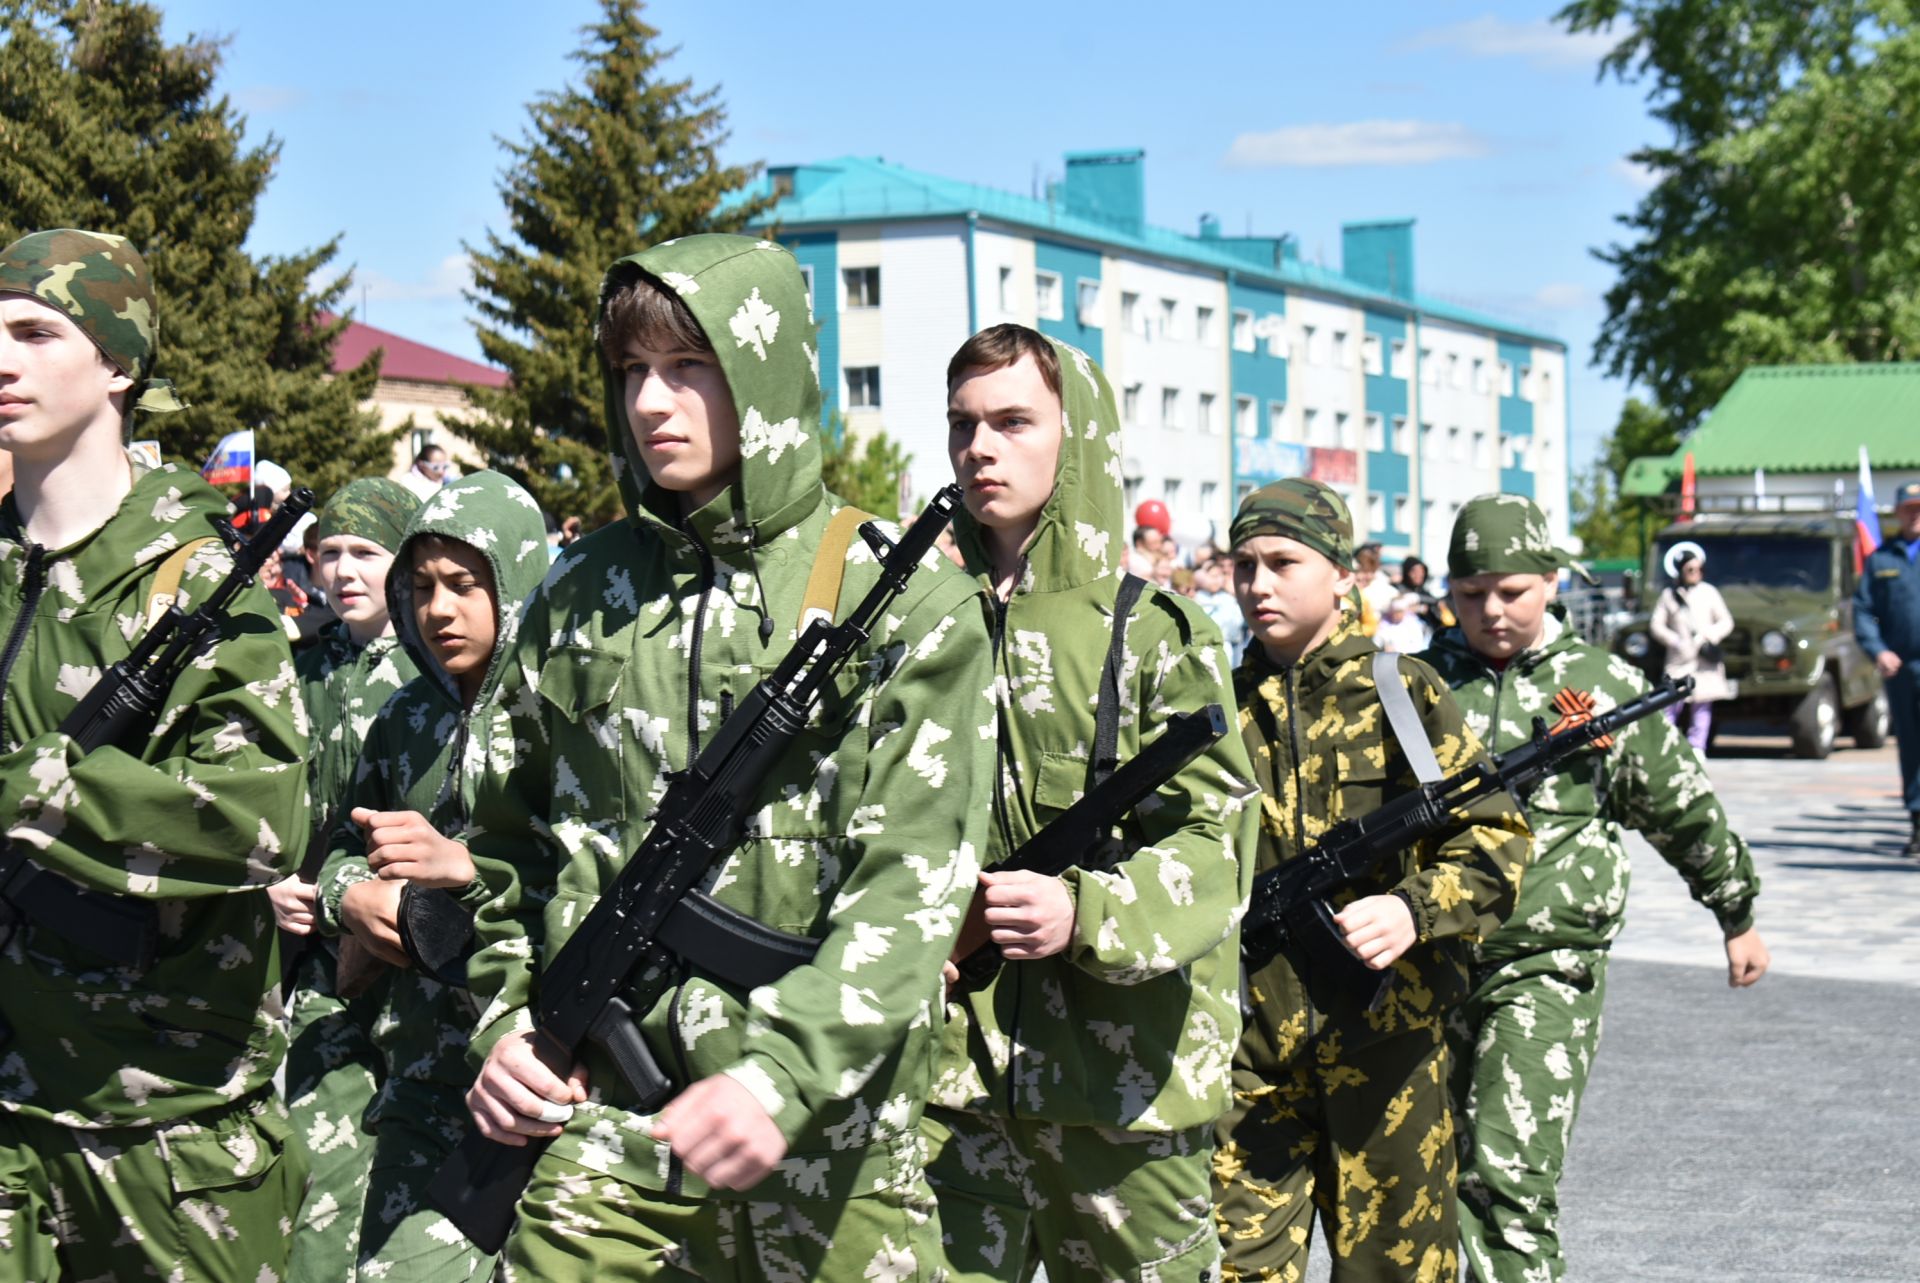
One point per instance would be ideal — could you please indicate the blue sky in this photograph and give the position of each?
(1481, 120)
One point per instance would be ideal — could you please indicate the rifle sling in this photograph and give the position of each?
(1106, 723)
(1407, 728)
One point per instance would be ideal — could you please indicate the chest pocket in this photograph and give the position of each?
(581, 685)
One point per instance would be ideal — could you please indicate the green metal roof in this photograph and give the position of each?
(1803, 418)
(852, 189)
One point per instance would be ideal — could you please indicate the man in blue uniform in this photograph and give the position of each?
(1886, 618)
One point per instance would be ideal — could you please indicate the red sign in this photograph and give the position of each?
(1333, 466)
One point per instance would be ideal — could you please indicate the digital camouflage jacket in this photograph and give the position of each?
(645, 635)
(343, 687)
(1575, 894)
(1322, 753)
(1134, 1024)
(411, 761)
(197, 819)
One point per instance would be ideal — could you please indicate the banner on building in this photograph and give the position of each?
(1262, 459)
(1334, 466)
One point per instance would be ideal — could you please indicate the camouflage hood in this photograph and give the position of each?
(1081, 535)
(494, 515)
(757, 317)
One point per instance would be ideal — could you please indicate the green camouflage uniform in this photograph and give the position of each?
(866, 837)
(1523, 1042)
(411, 761)
(1346, 1108)
(1072, 1122)
(333, 1067)
(139, 1136)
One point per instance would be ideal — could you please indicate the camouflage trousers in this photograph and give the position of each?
(575, 1223)
(1523, 1044)
(333, 1071)
(209, 1200)
(1088, 1203)
(1357, 1124)
(401, 1239)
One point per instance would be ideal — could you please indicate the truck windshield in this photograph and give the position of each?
(1762, 561)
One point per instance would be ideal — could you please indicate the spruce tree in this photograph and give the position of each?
(105, 126)
(624, 158)
(865, 468)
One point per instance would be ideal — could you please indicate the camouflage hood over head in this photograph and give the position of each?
(1081, 536)
(100, 283)
(757, 317)
(492, 514)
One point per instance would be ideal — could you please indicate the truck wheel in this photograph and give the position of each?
(1816, 723)
(1870, 723)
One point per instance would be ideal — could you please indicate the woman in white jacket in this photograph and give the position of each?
(1691, 620)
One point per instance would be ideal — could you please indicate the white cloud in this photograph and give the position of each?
(1359, 142)
(447, 278)
(1642, 178)
(1542, 42)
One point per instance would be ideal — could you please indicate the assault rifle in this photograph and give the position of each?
(1082, 835)
(1288, 910)
(120, 709)
(651, 918)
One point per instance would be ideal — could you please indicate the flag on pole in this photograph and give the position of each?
(1686, 487)
(1866, 519)
(231, 462)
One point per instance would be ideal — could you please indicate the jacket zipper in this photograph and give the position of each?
(1493, 726)
(693, 649)
(1299, 806)
(34, 582)
(999, 805)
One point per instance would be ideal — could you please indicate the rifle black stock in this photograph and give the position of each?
(1288, 911)
(698, 821)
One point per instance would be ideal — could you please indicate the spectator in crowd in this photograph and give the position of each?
(1429, 605)
(428, 473)
(1148, 545)
(1162, 574)
(1691, 620)
(1213, 593)
(1371, 581)
(1401, 630)
(1182, 581)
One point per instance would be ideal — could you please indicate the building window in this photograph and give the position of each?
(1401, 443)
(1241, 489)
(1376, 511)
(1130, 314)
(1343, 349)
(1310, 349)
(1456, 445)
(1170, 491)
(783, 184)
(1399, 367)
(1526, 383)
(1456, 371)
(1342, 430)
(1274, 326)
(1246, 420)
(1542, 386)
(1006, 289)
(1132, 486)
(1370, 354)
(863, 286)
(1130, 403)
(1376, 432)
(1311, 419)
(1506, 378)
(1427, 441)
(1242, 330)
(1401, 507)
(1169, 407)
(1046, 295)
(1088, 304)
(1208, 489)
(1426, 516)
(1203, 326)
(806, 274)
(1207, 423)
(1480, 384)
(1429, 372)
(1167, 318)
(863, 387)
(1479, 449)
(1277, 420)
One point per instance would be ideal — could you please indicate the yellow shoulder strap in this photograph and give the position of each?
(830, 567)
(166, 581)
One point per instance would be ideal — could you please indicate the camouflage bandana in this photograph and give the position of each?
(1506, 534)
(100, 283)
(372, 508)
(1297, 508)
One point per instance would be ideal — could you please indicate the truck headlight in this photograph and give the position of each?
(1773, 644)
(1636, 646)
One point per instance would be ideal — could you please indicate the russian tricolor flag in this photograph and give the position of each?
(1866, 521)
(231, 462)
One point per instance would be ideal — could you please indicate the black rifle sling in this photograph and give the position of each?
(1106, 723)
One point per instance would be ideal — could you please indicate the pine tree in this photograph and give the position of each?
(864, 468)
(623, 159)
(105, 126)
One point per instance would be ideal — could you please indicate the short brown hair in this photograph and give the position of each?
(1004, 345)
(641, 310)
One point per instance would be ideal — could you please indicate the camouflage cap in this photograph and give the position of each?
(99, 282)
(1506, 534)
(1297, 508)
(373, 508)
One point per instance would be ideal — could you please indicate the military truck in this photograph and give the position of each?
(1788, 579)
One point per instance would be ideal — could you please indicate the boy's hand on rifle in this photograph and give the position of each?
(721, 1133)
(1029, 915)
(371, 910)
(522, 1091)
(292, 902)
(402, 845)
(1378, 929)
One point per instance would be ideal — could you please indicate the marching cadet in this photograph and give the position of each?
(139, 1133)
(1523, 1042)
(470, 556)
(333, 1068)
(1072, 1125)
(792, 1149)
(1346, 1106)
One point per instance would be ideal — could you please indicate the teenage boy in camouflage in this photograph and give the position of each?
(792, 1149)
(139, 1133)
(1524, 1040)
(1346, 1107)
(1073, 1121)
(333, 1067)
(470, 556)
